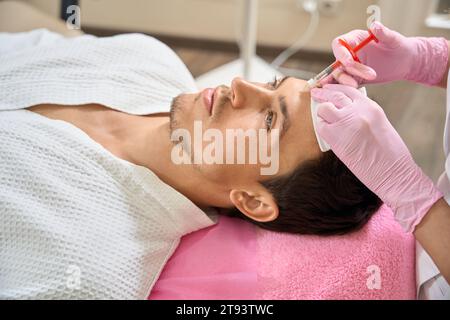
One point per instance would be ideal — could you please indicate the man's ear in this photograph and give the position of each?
(258, 205)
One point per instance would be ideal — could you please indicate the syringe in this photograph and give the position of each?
(312, 83)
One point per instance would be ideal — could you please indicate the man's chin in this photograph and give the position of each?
(177, 111)
(183, 109)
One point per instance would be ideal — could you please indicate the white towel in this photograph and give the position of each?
(132, 73)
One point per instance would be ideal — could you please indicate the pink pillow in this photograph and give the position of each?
(216, 263)
(236, 260)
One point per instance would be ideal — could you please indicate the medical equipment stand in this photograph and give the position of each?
(65, 4)
(249, 66)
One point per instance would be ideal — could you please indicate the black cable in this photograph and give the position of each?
(64, 5)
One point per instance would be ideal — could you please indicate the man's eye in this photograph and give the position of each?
(274, 83)
(269, 120)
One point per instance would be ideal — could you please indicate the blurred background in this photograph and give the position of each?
(208, 34)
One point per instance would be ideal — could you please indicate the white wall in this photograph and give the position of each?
(48, 6)
(408, 17)
(281, 22)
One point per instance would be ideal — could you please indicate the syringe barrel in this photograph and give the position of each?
(327, 71)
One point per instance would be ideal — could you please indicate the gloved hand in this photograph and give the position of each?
(394, 57)
(362, 137)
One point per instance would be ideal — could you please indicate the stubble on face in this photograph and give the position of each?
(175, 123)
(224, 98)
(179, 106)
(175, 110)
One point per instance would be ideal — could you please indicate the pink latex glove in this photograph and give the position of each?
(362, 137)
(394, 57)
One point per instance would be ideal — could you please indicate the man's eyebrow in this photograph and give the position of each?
(286, 123)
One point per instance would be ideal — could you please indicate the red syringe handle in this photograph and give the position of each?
(328, 70)
(336, 64)
(364, 43)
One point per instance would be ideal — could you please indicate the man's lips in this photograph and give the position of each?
(208, 99)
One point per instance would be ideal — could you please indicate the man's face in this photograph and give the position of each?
(284, 105)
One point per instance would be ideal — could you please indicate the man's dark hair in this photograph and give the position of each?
(321, 197)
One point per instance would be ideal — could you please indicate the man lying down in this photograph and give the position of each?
(93, 203)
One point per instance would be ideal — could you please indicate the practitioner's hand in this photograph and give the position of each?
(394, 57)
(360, 134)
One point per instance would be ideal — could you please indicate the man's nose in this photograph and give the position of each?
(246, 94)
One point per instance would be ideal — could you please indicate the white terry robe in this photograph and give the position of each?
(76, 221)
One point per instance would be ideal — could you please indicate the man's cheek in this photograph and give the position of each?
(217, 173)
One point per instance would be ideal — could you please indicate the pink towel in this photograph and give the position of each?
(235, 260)
(374, 263)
